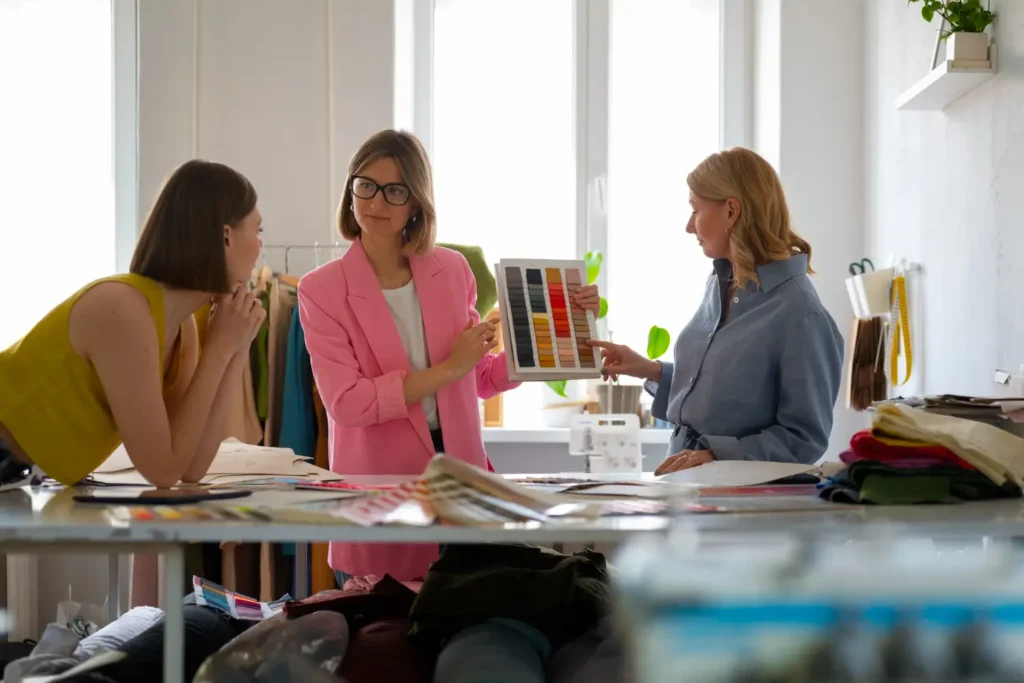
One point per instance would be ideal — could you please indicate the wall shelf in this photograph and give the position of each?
(946, 83)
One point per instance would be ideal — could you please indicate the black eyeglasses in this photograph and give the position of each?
(396, 194)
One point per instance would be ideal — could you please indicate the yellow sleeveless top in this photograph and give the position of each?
(52, 401)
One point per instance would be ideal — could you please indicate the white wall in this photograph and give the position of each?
(283, 91)
(946, 189)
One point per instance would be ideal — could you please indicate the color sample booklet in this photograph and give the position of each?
(545, 334)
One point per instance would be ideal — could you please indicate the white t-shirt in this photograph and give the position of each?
(405, 309)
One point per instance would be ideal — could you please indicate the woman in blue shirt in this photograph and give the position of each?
(757, 369)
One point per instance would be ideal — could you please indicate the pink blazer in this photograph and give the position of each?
(359, 363)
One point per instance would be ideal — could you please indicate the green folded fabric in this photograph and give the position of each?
(486, 287)
(883, 485)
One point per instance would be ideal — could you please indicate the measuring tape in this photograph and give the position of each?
(899, 331)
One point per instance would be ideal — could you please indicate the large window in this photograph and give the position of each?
(558, 127)
(663, 120)
(504, 161)
(56, 180)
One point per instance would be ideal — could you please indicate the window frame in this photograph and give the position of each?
(125, 123)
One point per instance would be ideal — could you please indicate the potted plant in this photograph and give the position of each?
(614, 397)
(625, 398)
(964, 27)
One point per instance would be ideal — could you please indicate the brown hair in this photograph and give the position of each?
(762, 233)
(182, 242)
(412, 161)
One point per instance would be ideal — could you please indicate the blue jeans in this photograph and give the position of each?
(495, 651)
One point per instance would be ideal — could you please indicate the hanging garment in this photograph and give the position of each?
(282, 302)
(243, 423)
(258, 361)
(866, 380)
(322, 451)
(322, 575)
(483, 273)
(298, 414)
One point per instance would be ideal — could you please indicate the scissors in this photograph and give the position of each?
(861, 267)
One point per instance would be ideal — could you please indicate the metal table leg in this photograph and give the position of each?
(174, 618)
(114, 587)
(301, 570)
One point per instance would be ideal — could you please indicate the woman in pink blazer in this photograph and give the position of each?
(399, 354)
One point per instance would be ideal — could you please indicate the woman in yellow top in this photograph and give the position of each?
(119, 360)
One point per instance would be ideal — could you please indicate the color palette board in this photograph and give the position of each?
(545, 335)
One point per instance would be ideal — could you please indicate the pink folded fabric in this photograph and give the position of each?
(909, 462)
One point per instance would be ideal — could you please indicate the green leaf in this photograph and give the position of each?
(593, 259)
(558, 386)
(603, 310)
(658, 340)
(928, 13)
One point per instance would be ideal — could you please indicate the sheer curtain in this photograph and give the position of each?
(56, 171)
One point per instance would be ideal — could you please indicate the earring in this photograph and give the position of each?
(415, 217)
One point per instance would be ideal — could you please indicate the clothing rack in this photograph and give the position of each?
(336, 247)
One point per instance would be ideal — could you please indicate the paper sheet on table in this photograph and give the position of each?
(735, 473)
(650, 490)
(233, 458)
(235, 463)
(299, 470)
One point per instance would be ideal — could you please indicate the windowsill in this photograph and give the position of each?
(553, 435)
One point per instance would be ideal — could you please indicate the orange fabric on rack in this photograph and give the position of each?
(323, 575)
(242, 421)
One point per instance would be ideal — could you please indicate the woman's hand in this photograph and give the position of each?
(684, 461)
(470, 347)
(587, 298)
(622, 360)
(235, 320)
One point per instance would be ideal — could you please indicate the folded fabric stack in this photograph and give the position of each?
(913, 456)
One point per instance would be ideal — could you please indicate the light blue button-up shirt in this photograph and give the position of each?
(760, 384)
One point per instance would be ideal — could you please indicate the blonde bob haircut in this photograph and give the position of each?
(413, 164)
(762, 233)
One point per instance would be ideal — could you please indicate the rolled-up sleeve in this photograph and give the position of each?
(809, 376)
(660, 390)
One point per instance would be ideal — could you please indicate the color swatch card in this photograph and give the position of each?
(545, 335)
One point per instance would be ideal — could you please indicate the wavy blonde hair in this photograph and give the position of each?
(411, 158)
(762, 233)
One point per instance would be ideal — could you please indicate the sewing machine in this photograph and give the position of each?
(610, 444)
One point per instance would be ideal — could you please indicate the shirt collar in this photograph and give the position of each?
(775, 273)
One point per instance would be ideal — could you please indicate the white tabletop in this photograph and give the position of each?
(43, 516)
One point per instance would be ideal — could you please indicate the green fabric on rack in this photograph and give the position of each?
(486, 287)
